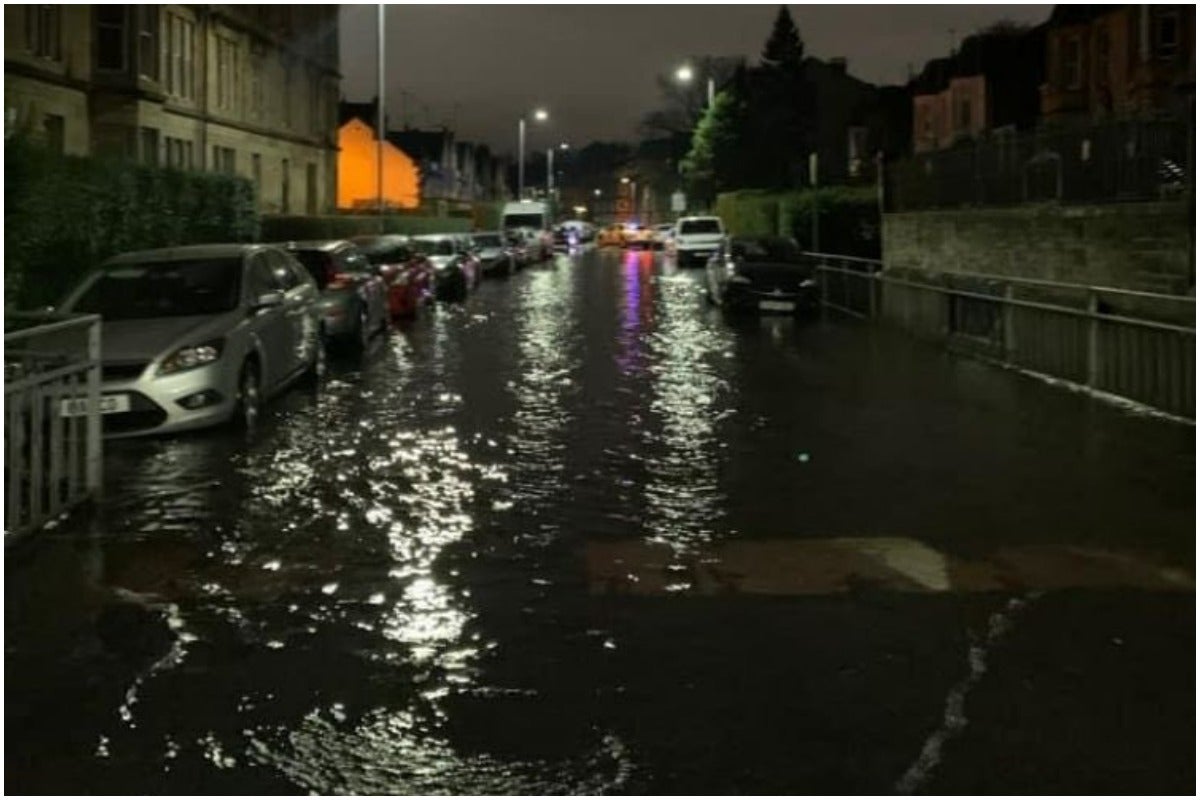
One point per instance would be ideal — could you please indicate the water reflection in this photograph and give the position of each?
(544, 377)
(684, 502)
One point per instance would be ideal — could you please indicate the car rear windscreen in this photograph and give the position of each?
(523, 221)
(700, 226)
(318, 263)
(164, 289)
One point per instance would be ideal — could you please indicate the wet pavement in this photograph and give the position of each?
(583, 534)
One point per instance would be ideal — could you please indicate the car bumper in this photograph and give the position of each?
(749, 298)
(155, 407)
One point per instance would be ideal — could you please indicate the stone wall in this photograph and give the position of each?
(1141, 246)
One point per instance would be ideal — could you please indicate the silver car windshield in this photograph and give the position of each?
(164, 289)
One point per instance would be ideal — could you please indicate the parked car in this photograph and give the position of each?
(196, 336)
(455, 272)
(697, 238)
(662, 235)
(611, 236)
(353, 296)
(518, 248)
(406, 272)
(474, 264)
(533, 218)
(639, 237)
(494, 255)
(763, 273)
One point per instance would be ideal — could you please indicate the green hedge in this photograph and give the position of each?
(848, 217)
(284, 228)
(64, 215)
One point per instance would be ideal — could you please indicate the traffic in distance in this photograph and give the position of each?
(205, 335)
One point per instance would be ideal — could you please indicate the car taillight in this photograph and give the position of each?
(335, 279)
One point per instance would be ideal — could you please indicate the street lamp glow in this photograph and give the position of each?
(564, 146)
(684, 74)
(541, 115)
(596, 192)
(624, 179)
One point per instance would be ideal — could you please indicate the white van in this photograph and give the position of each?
(697, 238)
(530, 216)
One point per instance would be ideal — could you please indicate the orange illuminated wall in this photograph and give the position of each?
(357, 178)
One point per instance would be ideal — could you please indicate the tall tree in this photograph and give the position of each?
(784, 49)
(718, 157)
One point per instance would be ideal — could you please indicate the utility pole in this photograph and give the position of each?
(379, 133)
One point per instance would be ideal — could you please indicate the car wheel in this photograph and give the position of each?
(249, 399)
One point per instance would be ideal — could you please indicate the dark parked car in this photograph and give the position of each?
(763, 273)
(353, 299)
(404, 269)
(455, 269)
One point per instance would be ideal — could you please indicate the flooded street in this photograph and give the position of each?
(584, 534)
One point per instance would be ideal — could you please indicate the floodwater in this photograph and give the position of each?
(584, 534)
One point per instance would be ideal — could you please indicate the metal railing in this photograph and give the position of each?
(52, 437)
(1135, 345)
(1122, 161)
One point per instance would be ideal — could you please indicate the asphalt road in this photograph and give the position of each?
(583, 534)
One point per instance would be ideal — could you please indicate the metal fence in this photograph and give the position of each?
(52, 438)
(1115, 162)
(1135, 345)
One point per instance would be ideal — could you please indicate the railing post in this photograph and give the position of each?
(94, 442)
(1010, 330)
(1093, 352)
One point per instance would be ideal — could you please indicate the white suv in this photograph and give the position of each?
(697, 238)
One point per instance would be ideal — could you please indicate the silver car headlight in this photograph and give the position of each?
(191, 357)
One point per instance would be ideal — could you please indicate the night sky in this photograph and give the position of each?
(477, 68)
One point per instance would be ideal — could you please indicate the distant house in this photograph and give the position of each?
(992, 81)
(1118, 61)
(854, 121)
(358, 184)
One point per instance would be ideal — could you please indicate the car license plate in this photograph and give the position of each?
(776, 305)
(109, 404)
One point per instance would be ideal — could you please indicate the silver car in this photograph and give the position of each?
(199, 335)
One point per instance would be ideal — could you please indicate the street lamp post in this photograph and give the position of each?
(379, 133)
(539, 115)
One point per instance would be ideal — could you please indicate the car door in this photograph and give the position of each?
(271, 324)
(370, 287)
(307, 316)
(298, 297)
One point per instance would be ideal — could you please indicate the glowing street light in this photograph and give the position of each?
(540, 115)
(684, 75)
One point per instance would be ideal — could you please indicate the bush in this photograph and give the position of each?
(848, 217)
(295, 228)
(64, 215)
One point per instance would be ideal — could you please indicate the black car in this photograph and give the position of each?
(761, 273)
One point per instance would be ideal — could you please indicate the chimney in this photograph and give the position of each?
(838, 65)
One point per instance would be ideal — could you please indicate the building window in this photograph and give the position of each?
(310, 187)
(286, 188)
(1166, 35)
(224, 159)
(43, 31)
(179, 69)
(148, 41)
(1072, 63)
(110, 38)
(257, 65)
(227, 74)
(56, 139)
(150, 146)
(1102, 57)
(287, 93)
(256, 171)
(179, 153)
